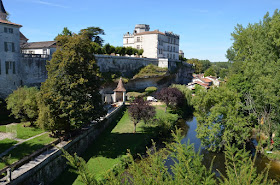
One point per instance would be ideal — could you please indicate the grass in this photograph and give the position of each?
(6, 144)
(109, 149)
(151, 71)
(21, 131)
(27, 148)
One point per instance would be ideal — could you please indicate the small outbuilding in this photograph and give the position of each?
(120, 92)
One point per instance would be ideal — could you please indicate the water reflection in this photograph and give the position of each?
(190, 135)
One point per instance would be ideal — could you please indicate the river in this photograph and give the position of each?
(190, 135)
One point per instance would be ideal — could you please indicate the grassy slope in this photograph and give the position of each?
(27, 148)
(6, 144)
(108, 149)
(22, 132)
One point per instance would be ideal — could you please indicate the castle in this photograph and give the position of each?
(155, 44)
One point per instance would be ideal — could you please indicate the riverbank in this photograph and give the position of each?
(111, 147)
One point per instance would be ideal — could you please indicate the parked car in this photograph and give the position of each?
(151, 98)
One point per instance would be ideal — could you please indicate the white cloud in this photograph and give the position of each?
(49, 4)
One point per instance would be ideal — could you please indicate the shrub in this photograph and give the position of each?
(23, 104)
(150, 90)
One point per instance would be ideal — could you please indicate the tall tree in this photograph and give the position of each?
(141, 110)
(93, 33)
(70, 96)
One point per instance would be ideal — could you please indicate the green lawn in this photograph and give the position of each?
(6, 144)
(27, 148)
(21, 131)
(112, 145)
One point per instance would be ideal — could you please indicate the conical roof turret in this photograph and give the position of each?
(2, 9)
(120, 87)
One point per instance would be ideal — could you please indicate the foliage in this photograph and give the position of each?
(187, 167)
(93, 34)
(151, 71)
(187, 104)
(240, 168)
(141, 110)
(120, 50)
(70, 96)
(108, 49)
(220, 118)
(129, 51)
(140, 52)
(171, 97)
(210, 72)
(97, 49)
(23, 104)
(198, 66)
(150, 90)
(255, 70)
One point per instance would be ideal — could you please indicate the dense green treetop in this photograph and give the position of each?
(70, 96)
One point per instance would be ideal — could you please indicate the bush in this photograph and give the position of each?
(150, 90)
(23, 104)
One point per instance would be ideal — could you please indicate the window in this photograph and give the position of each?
(138, 39)
(167, 55)
(31, 52)
(173, 49)
(9, 46)
(167, 48)
(127, 41)
(138, 46)
(10, 65)
(8, 30)
(44, 51)
(168, 40)
(173, 56)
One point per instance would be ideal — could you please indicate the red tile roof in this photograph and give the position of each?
(206, 80)
(7, 22)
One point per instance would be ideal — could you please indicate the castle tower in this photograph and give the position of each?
(3, 13)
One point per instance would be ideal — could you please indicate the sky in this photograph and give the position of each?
(204, 26)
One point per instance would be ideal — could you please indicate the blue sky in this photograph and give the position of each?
(204, 26)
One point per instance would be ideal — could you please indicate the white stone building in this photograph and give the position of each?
(9, 53)
(42, 49)
(155, 44)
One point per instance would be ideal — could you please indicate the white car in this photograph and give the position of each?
(150, 98)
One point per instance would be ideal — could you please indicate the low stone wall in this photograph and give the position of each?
(50, 167)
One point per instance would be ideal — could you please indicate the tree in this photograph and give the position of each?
(206, 64)
(171, 97)
(96, 48)
(70, 96)
(140, 52)
(66, 31)
(108, 49)
(134, 51)
(197, 65)
(221, 118)
(141, 110)
(121, 50)
(23, 104)
(210, 72)
(93, 34)
(129, 51)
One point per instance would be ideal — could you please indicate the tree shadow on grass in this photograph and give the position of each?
(110, 145)
(6, 144)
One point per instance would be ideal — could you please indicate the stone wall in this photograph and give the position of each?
(50, 167)
(125, 65)
(33, 71)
